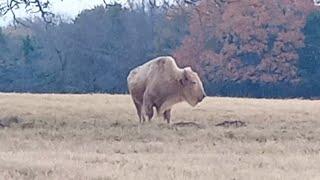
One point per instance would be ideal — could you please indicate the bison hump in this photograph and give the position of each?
(163, 67)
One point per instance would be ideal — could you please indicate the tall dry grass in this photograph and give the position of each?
(99, 137)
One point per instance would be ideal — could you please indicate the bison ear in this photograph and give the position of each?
(184, 80)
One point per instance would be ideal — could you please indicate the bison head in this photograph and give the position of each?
(192, 88)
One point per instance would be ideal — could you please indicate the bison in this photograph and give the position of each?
(160, 83)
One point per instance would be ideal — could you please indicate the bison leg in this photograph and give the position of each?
(138, 107)
(149, 112)
(147, 109)
(167, 115)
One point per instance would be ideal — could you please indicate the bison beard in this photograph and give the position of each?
(160, 83)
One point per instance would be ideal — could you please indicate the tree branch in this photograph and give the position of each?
(30, 6)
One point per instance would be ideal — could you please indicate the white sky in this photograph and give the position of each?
(69, 8)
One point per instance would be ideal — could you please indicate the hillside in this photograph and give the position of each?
(268, 49)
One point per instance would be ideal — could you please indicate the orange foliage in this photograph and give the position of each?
(240, 40)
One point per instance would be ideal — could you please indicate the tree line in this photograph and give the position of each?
(250, 48)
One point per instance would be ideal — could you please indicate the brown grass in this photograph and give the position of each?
(99, 137)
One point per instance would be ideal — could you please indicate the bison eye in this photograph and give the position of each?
(193, 82)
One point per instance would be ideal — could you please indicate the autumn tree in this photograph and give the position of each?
(246, 40)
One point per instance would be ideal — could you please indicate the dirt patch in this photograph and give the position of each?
(10, 121)
(236, 124)
(188, 124)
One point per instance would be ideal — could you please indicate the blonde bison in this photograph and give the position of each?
(161, 83)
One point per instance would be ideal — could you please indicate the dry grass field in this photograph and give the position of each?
(99, 137)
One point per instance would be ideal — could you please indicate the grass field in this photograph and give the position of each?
(99, 137)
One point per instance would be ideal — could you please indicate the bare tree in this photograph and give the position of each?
(41, 7)
(30, 6)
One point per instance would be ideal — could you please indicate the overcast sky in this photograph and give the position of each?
(69, 8)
